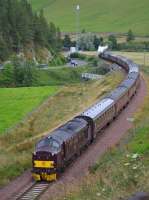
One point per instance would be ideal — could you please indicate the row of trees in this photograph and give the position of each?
(20, 26)
(89, 41)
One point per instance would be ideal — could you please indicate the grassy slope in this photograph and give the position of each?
(17, 102)
(58, 109)
(98, 15)
(62, 75)
(117, 175)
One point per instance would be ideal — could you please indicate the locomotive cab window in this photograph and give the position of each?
(49, 142)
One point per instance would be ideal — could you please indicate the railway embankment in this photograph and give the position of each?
(123, 170)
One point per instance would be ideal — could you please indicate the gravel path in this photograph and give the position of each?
(79, 168)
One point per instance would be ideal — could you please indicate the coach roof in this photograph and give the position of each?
(117, 93)
(128, 83)
(98, 108)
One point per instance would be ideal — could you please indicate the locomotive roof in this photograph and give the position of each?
(69, 129)
(117, 93)
(98, 108)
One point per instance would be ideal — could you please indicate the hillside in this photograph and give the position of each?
(97, 15)
(17, 102)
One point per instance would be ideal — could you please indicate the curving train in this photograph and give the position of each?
(55, 151)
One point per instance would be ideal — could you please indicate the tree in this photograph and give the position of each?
(4, 52)
(8, 76)
(86, 42)
(67, 41)
(25, 72)
(96, 42)
(112, 41)
(130, 36)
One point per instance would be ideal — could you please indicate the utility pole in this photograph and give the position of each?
(77, 26)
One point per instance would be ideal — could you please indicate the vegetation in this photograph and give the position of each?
(123, 170)
(140, 58)
(112, 42)
(98, 15)
(86, 41)
(20, 27)
(67, 43)
(58, 60)
(130, 36)
(133, 46)
(16, 103)
(19, 142)
(89, 42)
(62, 75)
(18, 73)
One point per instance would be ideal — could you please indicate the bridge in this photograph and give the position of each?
(89, 76)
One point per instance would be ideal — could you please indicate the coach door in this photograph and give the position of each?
(89, 133)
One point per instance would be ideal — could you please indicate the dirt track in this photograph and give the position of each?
(79, 168)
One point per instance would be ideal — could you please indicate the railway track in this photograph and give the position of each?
(33, 192)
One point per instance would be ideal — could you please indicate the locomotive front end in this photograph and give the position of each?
(44, 160)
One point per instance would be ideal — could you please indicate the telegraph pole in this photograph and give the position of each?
(77, 26)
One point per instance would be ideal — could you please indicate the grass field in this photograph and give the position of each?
(17, 102)
(140, 58)
(97, 15)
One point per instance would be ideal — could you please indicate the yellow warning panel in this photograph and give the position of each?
(43, 164)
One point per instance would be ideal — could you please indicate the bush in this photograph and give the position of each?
(58, 60)
(77, 55)
(19, 73)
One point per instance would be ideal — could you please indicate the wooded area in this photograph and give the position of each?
(20, 26)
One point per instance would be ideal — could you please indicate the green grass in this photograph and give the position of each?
(61, 75)
(97, 15)
(15, 103)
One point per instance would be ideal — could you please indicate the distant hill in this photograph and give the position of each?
(98, 15)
